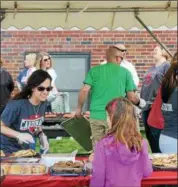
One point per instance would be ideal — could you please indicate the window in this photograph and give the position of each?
(71, 69)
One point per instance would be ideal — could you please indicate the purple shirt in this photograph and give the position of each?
(114, 165)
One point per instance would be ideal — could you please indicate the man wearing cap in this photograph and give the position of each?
(6, 87)
(127, 64)
(105, 83)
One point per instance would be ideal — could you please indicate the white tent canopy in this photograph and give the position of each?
(84, 14)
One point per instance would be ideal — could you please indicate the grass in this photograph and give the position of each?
(67, 145)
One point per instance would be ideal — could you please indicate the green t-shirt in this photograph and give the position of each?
(107, 82)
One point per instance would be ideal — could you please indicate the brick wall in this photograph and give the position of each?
(139, 44)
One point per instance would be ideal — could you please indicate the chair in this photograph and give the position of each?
(61, 103)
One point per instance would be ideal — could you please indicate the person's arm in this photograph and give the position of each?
(88, 82)
(5, 130)
(22, 137)
(83, 94)
(146, 162)
(99, 166)
(9, 117)
(131, 95)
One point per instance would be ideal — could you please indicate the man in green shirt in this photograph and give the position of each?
(105, 83)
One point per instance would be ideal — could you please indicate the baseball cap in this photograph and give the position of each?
(120, 47)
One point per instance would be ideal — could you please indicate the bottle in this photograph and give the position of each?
(43, 140)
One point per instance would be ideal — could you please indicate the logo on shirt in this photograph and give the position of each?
(31, 124)
(167, 107)
(148, 79)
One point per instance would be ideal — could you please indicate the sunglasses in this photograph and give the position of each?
(42, 89)
(123, 50)
(45, 60)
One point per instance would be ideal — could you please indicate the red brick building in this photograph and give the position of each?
(140, 44)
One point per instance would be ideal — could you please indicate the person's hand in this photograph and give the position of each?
(142, 103)
(78, 113)
(91, 157)
(25, 138)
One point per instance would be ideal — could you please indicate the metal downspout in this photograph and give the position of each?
(151, 33)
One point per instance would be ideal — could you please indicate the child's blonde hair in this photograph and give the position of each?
(123, 119)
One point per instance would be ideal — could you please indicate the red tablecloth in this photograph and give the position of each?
(53, 181)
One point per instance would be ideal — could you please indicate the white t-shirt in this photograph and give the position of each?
(54, 91)
(53, 75)
(132, 70)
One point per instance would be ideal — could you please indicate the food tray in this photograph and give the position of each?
(158, 155)
(68, 170)
(164, 164)
(68, 174)
(20, 159)
(38, 155)
(8, 166)
(164, 168)
(50, 159)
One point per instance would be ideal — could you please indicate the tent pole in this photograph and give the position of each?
(151, 33)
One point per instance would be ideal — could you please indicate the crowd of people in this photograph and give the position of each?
(119, 148)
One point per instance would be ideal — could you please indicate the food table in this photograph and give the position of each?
(157, 178)
(47, 180)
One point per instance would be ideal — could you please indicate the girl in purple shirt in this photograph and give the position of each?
(121, 158)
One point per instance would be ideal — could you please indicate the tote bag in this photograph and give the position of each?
(155, 118)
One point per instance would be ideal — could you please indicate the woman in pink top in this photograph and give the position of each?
(121, 158)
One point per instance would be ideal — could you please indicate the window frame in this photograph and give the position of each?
(86, 55)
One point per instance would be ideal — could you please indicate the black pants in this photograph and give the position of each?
(152, 133)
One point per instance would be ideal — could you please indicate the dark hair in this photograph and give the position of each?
(36, 78)
(170, 80)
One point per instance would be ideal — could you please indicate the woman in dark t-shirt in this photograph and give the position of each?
(159, 69)
(22, 118)
(169, 91)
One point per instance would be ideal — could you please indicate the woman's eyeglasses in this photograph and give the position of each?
(45, 60)
(42, 89)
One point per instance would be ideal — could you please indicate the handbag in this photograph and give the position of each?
(155, 118)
